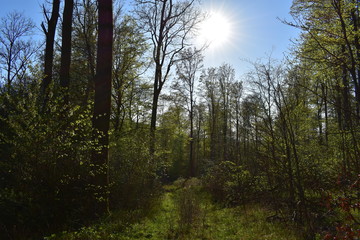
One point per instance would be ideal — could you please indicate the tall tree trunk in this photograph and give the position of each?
(158, 78)
(288, 165)
(319, 103)
(324, 90)
(49, 48)
(66, 48)
(355, 18)
(346, 107)
(102, 102)
(237, 134)
(191, 154)
(198, 140)
(213, 132)
(153, 120)
(225, 127)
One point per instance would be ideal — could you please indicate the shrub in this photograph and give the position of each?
(134, 183)
(44, 164)
(232, 184)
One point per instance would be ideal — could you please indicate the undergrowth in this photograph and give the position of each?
(186, 212)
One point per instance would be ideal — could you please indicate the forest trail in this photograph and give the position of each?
(186, 212)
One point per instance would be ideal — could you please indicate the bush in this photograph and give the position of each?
(188, 203)
(134, 183)
(232, 184)
(44, 164)
(347, 206)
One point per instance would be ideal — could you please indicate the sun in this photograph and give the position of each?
(216, 30)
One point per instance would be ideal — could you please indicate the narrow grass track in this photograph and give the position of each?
(186, 212)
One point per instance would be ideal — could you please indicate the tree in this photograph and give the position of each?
(330, 41)
(236, 90)
(170, 25)
(15, 53)
(218, 84)
(187, 68)
(226, 75)
(102, 102)
(129, 63)
(211, 95)
(84, 49)
(49, 48)
(66, 48)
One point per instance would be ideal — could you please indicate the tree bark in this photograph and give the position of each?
(102, 102)
(158, 78)
(191, 154)
(49, 48)
(66, 48)
(153, 121)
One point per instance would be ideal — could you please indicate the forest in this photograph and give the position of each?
(112, 127)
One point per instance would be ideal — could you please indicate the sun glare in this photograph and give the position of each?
(215, 30)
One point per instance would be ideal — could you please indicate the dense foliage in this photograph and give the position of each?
(285, 136)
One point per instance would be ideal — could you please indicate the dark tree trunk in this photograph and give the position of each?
(346, 100)
(324, 91)
(153, 120)
(355, 19)
(191, 154)
(49, 48)
(213, 136)
(237, 134)
(288, 165)
(158, 80)
(198, 140)
(66, 48)
(225, 127)
(102, 102)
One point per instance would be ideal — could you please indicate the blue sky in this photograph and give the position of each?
(30, 8)
(256, 30)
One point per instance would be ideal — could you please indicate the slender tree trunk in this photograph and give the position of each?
(225, 127)
(289, 166)
(213, 135)
(299, 178)
(355, 18)
(8, 68)
(158, 81)
(324, 90)
(153, 120)
(346, 101)
(237, 134)
(66, 48)
(198, 140)
(49, 48)
(102, 103)
(191, 154)
(319, 103)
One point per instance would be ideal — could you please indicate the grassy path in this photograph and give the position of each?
(187, 213)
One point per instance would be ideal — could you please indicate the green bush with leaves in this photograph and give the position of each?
(133, 179)
(44, 163)
(233, 184)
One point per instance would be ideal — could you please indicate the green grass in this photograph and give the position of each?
(187, 213)
(247, 223)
